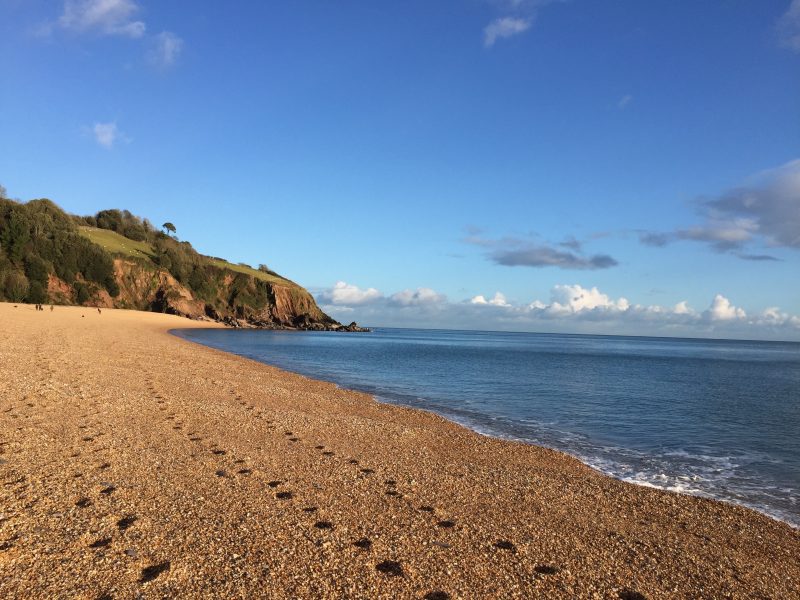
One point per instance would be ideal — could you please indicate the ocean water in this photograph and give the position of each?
(708, 417)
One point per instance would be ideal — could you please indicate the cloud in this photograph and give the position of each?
(545, 256)
(516, 252)
(344, 294)
(106, 134)
(722, 310)
(571, 308)
(106, 17)
(624, 101)
(116, 18)
(165, 49)
(574, 299)
(789, 27)
(758, 257)
(418, 297)
(499, 299)
(504, 27)
(767, 209)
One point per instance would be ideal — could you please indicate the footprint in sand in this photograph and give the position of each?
(218, 452)
(323, 525)
(505, 545)
(428, 509)
(244, 471)
(627, 594)
(83, 503)
(153, 571)
(284, 495)
(274, 484)
(125, 522)
(437, 595)
(106, 491)
(391, 568)
(363, 543)
(546, 569)
(446, 524)
(101, 543)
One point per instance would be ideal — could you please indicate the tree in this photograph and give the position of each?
(16, 287)
(36, 293)
(169, 227)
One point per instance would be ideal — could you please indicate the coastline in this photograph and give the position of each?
(471, 421)
(508, 519)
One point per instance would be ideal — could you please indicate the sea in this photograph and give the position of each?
(713, 418)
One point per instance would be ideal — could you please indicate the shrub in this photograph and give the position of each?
(36, 293)
(16, 287)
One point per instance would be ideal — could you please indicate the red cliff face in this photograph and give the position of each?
(146, 289)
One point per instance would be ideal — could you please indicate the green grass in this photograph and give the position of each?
(115, 243)
(224, 264)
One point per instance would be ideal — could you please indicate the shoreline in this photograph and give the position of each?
(175, 448)
(476, 428)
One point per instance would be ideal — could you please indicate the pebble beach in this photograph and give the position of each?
(135, 464)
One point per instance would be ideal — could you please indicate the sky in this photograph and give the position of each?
(581, 166)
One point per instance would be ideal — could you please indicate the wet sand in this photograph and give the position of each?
(137, 464)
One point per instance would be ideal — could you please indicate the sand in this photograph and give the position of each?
(136, 464)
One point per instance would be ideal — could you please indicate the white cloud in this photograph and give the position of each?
(106, 17)
(106, 134)
(624, 101)
(345, 294)
(165, 50)
(722, 310)
(789, 27)
(571, 309)
(574, 298)
(498, 300)
(504, 27)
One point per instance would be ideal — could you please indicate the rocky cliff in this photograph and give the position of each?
(117, 260)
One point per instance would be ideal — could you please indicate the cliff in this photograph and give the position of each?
(117, 260)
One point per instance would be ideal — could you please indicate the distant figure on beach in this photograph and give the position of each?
(99, 312)
(51, 308)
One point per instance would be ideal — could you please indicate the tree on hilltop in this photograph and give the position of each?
(169, 228)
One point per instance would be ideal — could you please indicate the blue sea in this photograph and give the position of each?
(714, 418)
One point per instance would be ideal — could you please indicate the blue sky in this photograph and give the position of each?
(407, 160)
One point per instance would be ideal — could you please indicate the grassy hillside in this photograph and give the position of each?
(117, 244)
(270, 276)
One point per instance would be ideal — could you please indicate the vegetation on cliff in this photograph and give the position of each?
(117, 259)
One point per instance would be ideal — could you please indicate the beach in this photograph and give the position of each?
(136, 463)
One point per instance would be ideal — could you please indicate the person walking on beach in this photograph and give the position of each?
(51, 308)
(99, 312)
